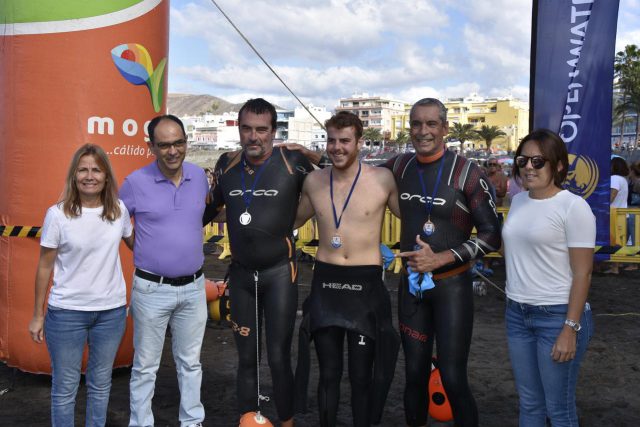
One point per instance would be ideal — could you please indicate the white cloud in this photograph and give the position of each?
(628, 18)
(497, 39)
(416, 93)
(627, 38)
(461, 90)
(329, 49)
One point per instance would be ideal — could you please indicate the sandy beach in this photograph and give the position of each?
(608, 387)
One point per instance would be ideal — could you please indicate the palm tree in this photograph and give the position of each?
(402, 138)
(630, 104)
(488, 134)
(462, 132)
(627, 74)
(372, 134)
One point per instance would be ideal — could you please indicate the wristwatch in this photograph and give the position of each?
(573, 325)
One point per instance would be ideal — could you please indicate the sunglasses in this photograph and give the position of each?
(492, 164)
(536, 161)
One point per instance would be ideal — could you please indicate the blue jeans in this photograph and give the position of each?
(66, 333)
(546, 388)
(153, 307)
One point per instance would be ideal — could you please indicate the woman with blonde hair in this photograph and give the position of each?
(87, 302)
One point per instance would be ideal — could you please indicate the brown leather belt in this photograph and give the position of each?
(449, 273)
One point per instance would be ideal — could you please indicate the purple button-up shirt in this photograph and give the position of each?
(168, 219)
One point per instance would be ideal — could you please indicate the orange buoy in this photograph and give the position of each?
(439, 407)
(214, 289)
(251, 419)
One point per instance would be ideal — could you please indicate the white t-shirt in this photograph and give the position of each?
(621, 184)
(87, 275)
(537, 236)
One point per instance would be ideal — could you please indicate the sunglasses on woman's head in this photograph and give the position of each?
(536, 161)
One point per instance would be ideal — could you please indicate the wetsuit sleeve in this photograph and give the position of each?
(303, 166)
(325, 161)
(215, 198)
(306, 165)
(477, 191)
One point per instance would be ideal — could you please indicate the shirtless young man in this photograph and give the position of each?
(348, 296)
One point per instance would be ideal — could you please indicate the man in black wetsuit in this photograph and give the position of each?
(442, 197)
(260, 187)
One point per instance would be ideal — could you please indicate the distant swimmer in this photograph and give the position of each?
(348, 297)
(442, 197)
(260, 187)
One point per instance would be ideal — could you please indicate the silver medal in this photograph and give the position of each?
(245, 218)
(429, 228)
(336, 241)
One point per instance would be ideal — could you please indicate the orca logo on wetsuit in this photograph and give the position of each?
(438, 201)
(341, 286)
(485, 188)
(257, 193)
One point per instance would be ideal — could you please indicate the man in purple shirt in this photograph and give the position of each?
(167, 200)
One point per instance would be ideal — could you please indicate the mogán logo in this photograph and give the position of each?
(134, 63)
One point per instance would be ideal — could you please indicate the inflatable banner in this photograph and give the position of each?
(71, 72)
(573, 50)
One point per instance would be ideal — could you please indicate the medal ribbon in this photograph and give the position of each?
(337, 219)
(428, 203)
(248, 197)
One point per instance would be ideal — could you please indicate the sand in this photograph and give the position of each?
(608, 387)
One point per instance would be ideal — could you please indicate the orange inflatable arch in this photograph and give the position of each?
(71, 72)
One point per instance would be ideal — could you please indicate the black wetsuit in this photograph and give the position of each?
(351, 301)
(463, 200)
(262, 251)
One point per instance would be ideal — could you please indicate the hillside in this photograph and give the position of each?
(181, 104)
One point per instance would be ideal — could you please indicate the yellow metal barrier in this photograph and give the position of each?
(310, 246)
(306, 234)
(216, 232)
(390, 236)
(620, 219)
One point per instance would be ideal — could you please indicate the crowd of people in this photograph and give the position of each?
(263, 192)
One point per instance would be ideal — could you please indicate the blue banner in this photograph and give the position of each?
(572, 56)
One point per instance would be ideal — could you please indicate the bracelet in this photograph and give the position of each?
(573, 324)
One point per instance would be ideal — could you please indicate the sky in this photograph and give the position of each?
(325, 50)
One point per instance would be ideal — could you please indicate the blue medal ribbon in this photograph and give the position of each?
(428, 203)
(248, 197)
(337, 219)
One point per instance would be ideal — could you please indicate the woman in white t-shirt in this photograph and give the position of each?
(549, 236)
(618, 197)
(619, 183)
(87, 302)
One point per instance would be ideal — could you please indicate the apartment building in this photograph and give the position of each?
(374, 111)
(300, 127)
(508, 114)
